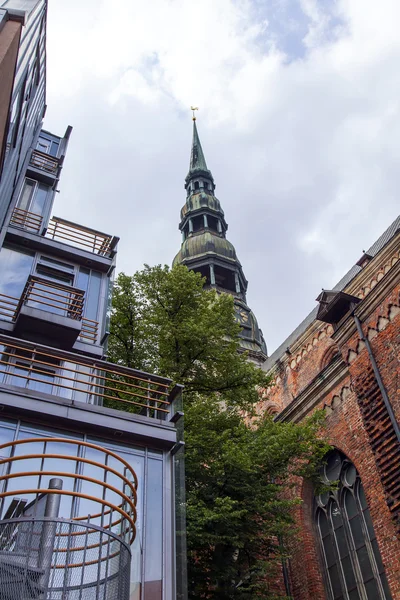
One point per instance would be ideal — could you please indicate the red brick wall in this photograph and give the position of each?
(356, 424)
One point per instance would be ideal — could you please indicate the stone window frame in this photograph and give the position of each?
(346, 536)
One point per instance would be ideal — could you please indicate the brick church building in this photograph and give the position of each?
(344, 358)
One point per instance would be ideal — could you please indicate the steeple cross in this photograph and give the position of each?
(193, 108)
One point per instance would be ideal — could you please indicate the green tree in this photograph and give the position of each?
(237, 464)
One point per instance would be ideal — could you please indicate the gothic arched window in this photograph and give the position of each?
(352, 561)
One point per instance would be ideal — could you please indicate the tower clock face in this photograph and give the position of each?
(244, 317)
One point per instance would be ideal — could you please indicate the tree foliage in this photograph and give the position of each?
(237, 464)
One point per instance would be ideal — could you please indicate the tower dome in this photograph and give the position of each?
(205, 248)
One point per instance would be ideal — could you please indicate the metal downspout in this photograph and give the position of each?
(378, 377)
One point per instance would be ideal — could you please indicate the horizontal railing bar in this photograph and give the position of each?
(75, 443)
(87, 243)
(75, 495)
(25, 219)
(78, 314)
(64, 297)
(81, 227)
(28, 216)
(56, 285)
(100, 364)
(61, 474)
(27, 212)
(103, 377)
(98, 238)
(69, 387)
(80, 242)
(30, 369)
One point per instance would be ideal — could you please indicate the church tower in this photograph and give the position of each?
(206, 250)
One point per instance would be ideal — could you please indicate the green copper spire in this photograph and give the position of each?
(197, 159)
(198, 166)
(206, 250)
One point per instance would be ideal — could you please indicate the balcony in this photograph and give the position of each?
(44, 167)
(81, 237)
(68, 376)
(53, 311)
(67, 232)
(26, 220)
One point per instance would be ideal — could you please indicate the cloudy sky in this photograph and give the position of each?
(299, 121)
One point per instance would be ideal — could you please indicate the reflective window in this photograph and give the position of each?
(15, 266)
(352, 560)
(33, 197)
(47, 146)
(81, 468)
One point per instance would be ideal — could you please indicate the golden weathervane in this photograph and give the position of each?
(193, 108)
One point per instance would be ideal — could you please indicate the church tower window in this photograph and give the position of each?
(352, 561)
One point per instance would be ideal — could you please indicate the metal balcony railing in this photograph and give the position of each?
(60, 299)
(47, 548)
(54, 298)
(82, 379)
(81, 237)
(67, 232)
(26, 220)
(44, 162)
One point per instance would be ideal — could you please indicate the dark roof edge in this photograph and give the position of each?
(376, 247)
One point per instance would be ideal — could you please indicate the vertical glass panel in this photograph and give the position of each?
(335, 582)
(15, 266)
(24, 200)
(154, 526)
(92, 300)
(333, 467)
(83, 279)
(372, 591)
(39, 199)
(54, 148)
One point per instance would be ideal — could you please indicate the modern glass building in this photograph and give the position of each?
(91, 453)
(23, 25)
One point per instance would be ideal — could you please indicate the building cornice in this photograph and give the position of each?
(368, 305)
(320, 386)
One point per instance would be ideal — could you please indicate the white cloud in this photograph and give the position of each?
(304, 149)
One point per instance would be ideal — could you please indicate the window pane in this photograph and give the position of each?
(349, 573)
(39, 199)
(335, 582)
(365, 563)
(54, 148)
(92, 300)
(356, 530)
(329, 550)
(372, 590)
(15, 266)
(341, 542)
(333, 467)
(323, 523)
(350, 504)
(154, 539)
(24, 200)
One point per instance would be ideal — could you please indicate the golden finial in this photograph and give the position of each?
(193, 108)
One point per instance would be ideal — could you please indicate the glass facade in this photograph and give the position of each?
(63, 458)
(352, 561)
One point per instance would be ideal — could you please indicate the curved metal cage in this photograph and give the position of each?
(68, 539)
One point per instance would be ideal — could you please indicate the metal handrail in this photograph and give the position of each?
(63, 298)
(45, 162)
(26, 220)
(84, 379)
(115, 521)
(78, 235)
